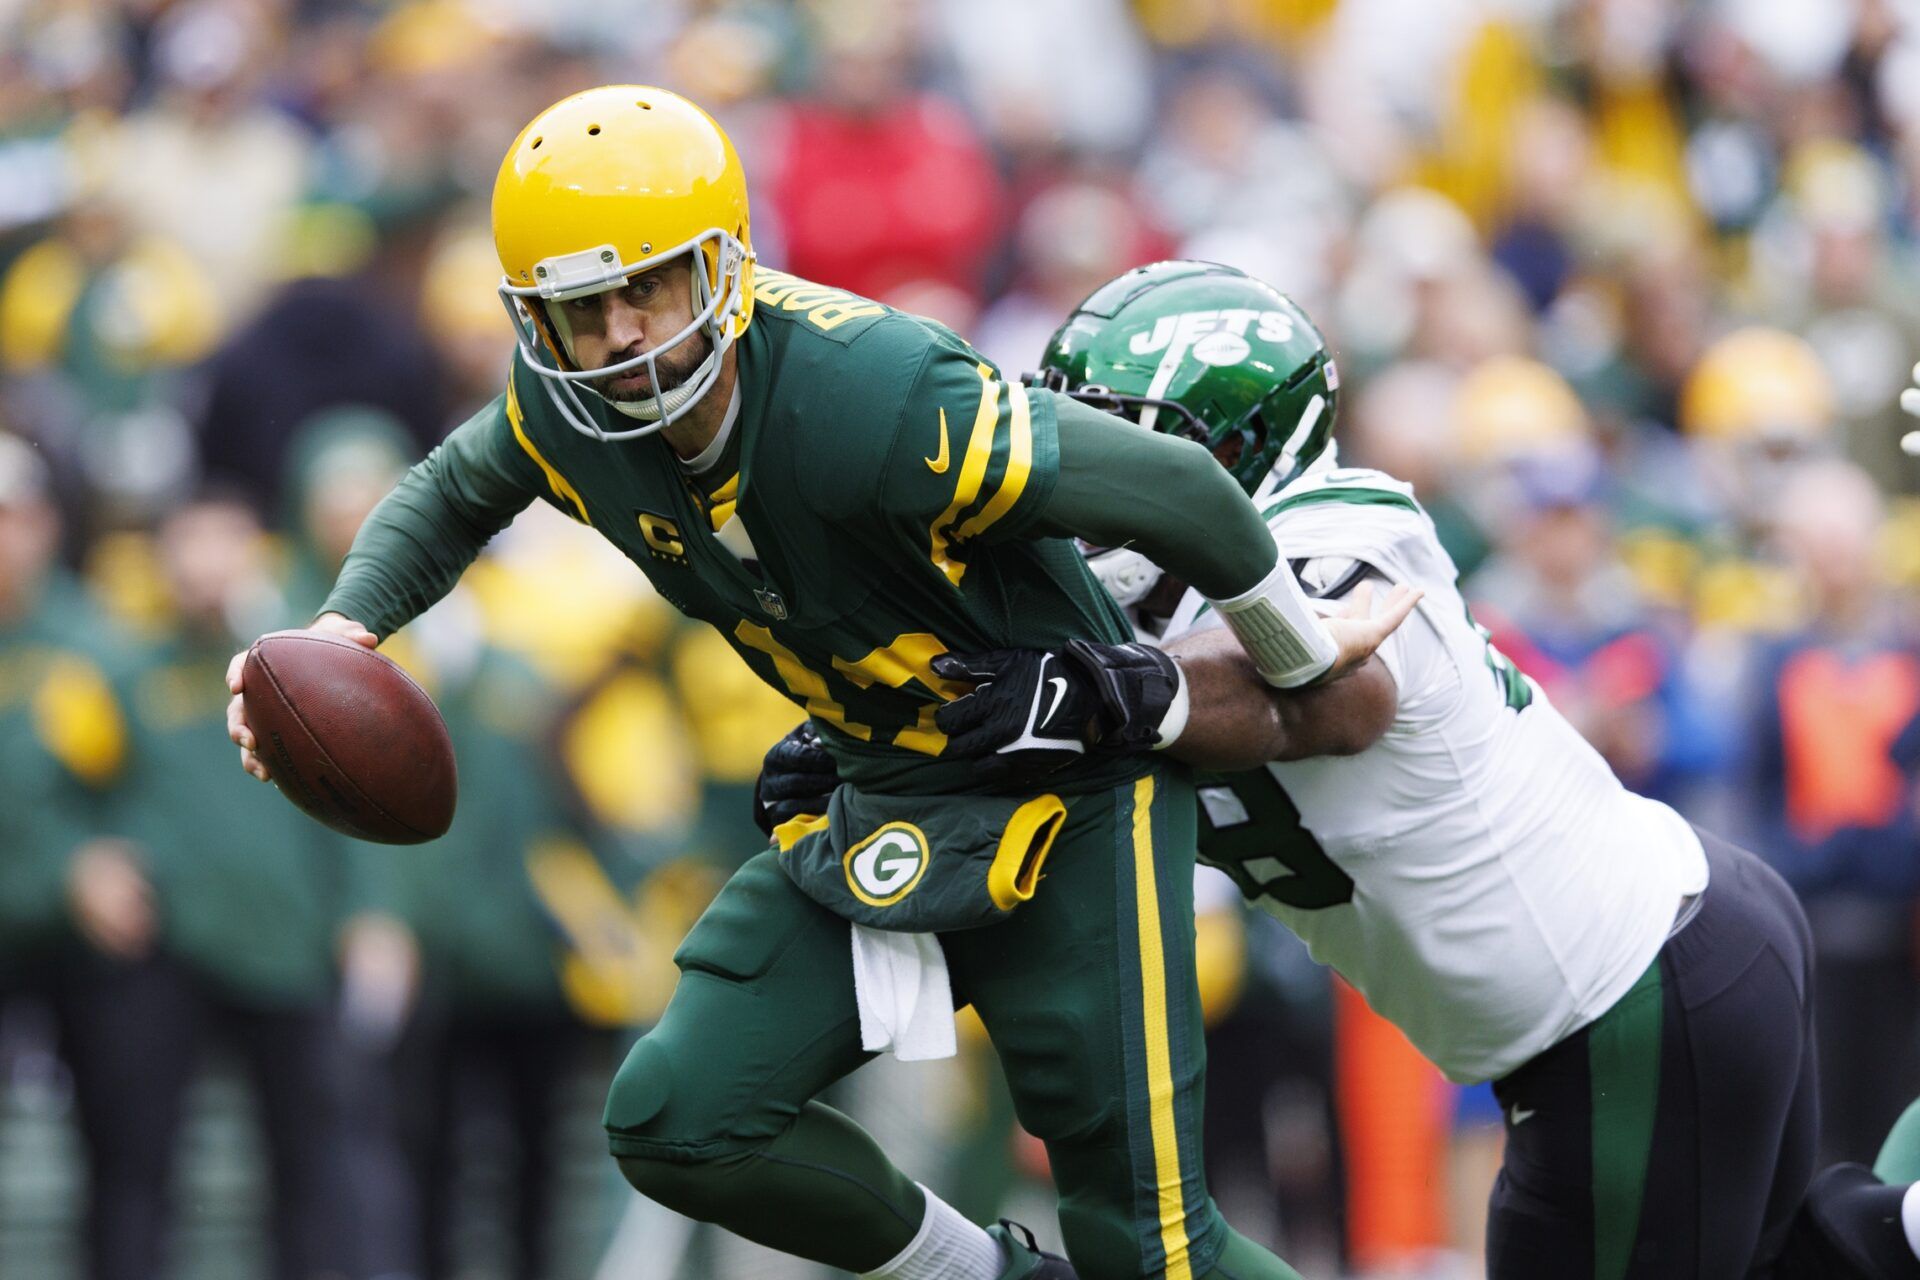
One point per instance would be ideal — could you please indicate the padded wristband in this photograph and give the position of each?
(1174, 723)
(1278, 628)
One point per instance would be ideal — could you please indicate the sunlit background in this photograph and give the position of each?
(1626, 288)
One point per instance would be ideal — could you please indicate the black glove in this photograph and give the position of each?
(1033, 711)
(1137, 684)
(796, 778)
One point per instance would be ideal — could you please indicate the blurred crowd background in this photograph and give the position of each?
(1626, 288)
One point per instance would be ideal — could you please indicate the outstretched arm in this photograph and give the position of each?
(1203, 700)
(1121, 485)
(1237, 721)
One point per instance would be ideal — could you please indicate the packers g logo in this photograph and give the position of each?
(884, 868)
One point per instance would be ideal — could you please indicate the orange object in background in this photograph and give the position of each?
(1395, 1119)
(1838, 721)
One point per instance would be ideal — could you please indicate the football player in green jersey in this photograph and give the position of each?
(847, 493)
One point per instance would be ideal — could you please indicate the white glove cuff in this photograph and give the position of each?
(1279, 629)
(1174, 723)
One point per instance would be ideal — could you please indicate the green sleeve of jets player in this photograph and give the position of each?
(423, 535)
(1167, 497)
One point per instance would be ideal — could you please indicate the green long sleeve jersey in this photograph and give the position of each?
(880, 496)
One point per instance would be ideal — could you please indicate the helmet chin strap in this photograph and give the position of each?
(648, 409)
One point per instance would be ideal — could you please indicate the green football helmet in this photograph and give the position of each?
(1207, 352)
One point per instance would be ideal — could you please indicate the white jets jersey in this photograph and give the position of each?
(1478, 873)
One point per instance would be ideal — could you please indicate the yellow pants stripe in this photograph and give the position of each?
(1153, 1001)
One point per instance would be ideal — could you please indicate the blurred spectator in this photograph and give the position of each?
(1833, 809)
(461, 314)
(876, 185)
(322, 342)
(1561, 604)
(76, 902)
(248, 907)
(1072, 238)
(1236, 182)
(206, 164)
(98, 323)
(62, 735)
(1077, 83)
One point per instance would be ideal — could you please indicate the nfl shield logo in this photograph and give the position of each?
(771, 603)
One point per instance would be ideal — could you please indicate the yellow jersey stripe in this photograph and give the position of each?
(555, 481)
(724, 500)
(1153, 1003)
(802, 682)
(1019, 464)
(973, 472)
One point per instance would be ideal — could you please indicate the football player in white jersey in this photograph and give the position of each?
(1435, 831)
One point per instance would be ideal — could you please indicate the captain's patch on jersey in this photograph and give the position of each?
(663, 536)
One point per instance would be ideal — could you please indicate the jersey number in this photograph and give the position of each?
(908, 658)
(1250, 828)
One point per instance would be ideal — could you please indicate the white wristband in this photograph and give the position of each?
(1279, 629)
(1174, 723)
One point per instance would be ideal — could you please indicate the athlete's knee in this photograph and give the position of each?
(670, 1147)
(641, 1087)
(658, 1105)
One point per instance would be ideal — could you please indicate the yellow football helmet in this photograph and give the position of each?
(603, 185)
(1760, 385)
(1509, 407)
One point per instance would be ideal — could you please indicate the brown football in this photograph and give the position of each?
(349, 737)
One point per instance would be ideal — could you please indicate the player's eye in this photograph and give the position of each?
(642, 289)
(582, 306)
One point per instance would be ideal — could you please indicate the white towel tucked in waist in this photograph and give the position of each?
(906, 1002)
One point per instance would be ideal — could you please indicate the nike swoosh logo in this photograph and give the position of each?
(1518, 1115)
(938, 465)
(1059, 684)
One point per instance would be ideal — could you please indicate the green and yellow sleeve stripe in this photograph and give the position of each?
(990, 427)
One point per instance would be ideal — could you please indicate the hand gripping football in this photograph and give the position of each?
(349, 737)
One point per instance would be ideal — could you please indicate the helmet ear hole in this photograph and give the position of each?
(593, 131)
(1230, 450)
(1257, 432)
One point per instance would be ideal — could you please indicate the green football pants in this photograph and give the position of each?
(1087, 992)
